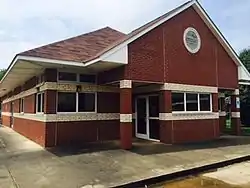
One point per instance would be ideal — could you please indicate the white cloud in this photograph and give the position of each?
(30, 23)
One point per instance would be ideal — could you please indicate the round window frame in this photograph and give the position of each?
(193, 51)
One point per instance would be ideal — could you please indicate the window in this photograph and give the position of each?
(87, 78)
(66, 76)
(76, 102)
(178, 102)
(205, 104)
(86, 102)
(66, 102)
(192, 102)
(40, 102)
(21, 105)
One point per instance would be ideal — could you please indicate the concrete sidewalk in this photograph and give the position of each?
(25, 164)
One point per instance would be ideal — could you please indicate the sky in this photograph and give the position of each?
(27, 24)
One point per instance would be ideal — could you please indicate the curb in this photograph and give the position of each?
(181, 174)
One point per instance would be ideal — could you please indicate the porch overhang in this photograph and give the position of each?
(22, 68)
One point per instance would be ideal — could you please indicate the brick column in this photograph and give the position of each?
(236, 123)
(126, 114)
(215, 109)
(50, 101)
(166, 125)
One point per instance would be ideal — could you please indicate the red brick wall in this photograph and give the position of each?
(34, 130)
(195, 130)
(146, 57)
(6, 120)
(222, 124)
(71, 133)
(188, 131)
(29, 104)
(16, 104)
(227, 70)
(165, 44)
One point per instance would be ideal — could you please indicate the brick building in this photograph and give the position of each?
(165, 81)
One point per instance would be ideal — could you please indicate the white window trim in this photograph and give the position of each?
(194, 112)
(77, 78)
(22, 104)
(77, 102)
(42, 103)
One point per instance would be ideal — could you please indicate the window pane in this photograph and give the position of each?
(86, 102)
(192, 102)
(38, 102)
(205, 102)
(21, 105)
(153, 106)
(66, 76)
(177, 101)
(87, 78)
(66, 102)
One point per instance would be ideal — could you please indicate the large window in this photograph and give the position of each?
(66, 102)
(66, 76)
(21, 105)
(191, 102)
(40, 102)
(178, 102)
(75, 77)
(76, 102)
(86, 102)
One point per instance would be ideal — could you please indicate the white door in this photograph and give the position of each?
(147, 117)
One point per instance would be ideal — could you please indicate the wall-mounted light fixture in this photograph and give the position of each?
(78, 88)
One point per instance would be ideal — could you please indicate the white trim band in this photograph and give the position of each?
(188, 116)
(221, 114)
(126, 84)
(237, 92)
(66, 117)
(126, 118)
(189, 88)
(71, 87)
(236, 114)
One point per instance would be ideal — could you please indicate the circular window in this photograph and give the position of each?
(192, 40)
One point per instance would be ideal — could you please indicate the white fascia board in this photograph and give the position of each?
(52, 61)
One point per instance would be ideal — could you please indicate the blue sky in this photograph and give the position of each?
(30, 23)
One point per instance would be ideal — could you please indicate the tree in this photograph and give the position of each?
(245, 58)
(2, 73)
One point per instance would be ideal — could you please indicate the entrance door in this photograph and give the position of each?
(147, 117)
(141, 118)
(11, 115)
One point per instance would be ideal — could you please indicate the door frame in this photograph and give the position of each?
(147, 135)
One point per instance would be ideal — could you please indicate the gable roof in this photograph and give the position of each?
(79, 48)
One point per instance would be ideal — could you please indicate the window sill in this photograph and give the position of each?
(76, 112)
(193, 113)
